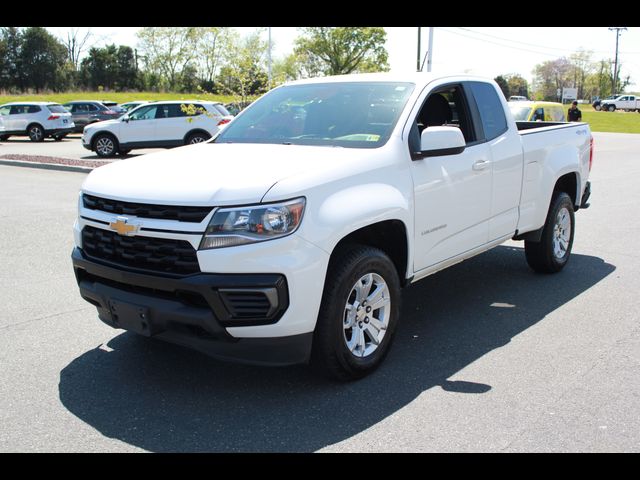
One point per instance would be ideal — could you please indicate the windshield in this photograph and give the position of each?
(357, 115)
(520, 113)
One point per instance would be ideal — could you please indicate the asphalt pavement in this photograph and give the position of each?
(488, 357)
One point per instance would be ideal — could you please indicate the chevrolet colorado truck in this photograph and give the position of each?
(287, 237)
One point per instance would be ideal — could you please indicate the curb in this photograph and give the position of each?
(45, 166)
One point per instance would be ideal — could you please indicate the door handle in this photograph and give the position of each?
(480, 165)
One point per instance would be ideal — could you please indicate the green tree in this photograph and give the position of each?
(43, 59)
(12, 76)
(552, 75)
(342, 50)
(168, 50)
(503, 84)
(517, 85)
(244, 74)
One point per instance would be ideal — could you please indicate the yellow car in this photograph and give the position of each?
(538, 112)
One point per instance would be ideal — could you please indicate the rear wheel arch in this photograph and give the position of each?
(568, 183)
(198, 132)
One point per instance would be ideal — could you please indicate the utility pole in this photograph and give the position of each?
(419, 56)
(615, 67)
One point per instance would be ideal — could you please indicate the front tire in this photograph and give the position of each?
(551, 253)
(358, 315)
(597, 108)
(105, 145)
(612, 108)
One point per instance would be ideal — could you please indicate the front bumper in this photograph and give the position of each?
(192, 311)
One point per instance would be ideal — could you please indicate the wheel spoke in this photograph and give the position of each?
(363, 287)
(377, 324)
(373, 334)
(361, 341)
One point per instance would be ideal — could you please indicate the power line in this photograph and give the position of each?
(499, 44)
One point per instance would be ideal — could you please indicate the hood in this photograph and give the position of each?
(214, 174)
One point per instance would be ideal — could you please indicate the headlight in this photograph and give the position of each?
(256, 223)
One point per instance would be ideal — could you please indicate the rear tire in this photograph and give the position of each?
(552, 252)
(198, 137)
(612, 108)
(352, 337)
(36, 133)
(597, 108)
(4, 138)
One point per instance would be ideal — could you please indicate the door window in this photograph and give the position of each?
(144, 113)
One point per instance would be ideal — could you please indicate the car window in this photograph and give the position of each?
(93, 107)
(175, 110)
(5, 110)
(221, 109)
(162, 111)
(144, 113)
(17, 109)
(520, 114)
(492, 115)
(56, 109)
(33, 108)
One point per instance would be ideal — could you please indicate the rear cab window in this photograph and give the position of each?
(494, 121)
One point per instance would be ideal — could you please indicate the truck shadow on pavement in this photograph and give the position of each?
(163, 398)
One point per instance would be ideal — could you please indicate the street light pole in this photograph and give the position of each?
(615, 67)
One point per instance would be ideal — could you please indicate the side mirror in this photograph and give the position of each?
(125, 118)
(438, 141)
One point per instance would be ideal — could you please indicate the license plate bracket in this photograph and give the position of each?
(131, 316)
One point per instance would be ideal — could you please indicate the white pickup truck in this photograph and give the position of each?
(288, 237)
(630, 103)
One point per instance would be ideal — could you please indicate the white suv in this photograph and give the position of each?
(156, 125)
(38, 120)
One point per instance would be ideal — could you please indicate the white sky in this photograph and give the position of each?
(485, 51)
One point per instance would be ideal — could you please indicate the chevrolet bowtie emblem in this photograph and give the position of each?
(122, 226)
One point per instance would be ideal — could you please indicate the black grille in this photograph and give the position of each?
(156, 254)
(146, 210)
(246, 304)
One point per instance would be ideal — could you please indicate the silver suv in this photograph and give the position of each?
(38, 120)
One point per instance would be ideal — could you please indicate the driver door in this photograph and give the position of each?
(141, 127)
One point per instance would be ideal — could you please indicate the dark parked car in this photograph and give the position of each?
(235, 108)
(114, 106)
(596, 103)
(85, 112)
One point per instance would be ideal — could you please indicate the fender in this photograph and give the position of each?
(328, 220)
(541, 176)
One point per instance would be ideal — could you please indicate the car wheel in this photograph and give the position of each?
(197, 138)
(124, 151)
(552, 252)
(358, 314)
(36, 133)
(105, 145)
(598, 108)
(58, 138)
(4, 138)
(612, 108)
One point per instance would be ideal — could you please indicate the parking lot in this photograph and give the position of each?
(488, 356)
(70, 147)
